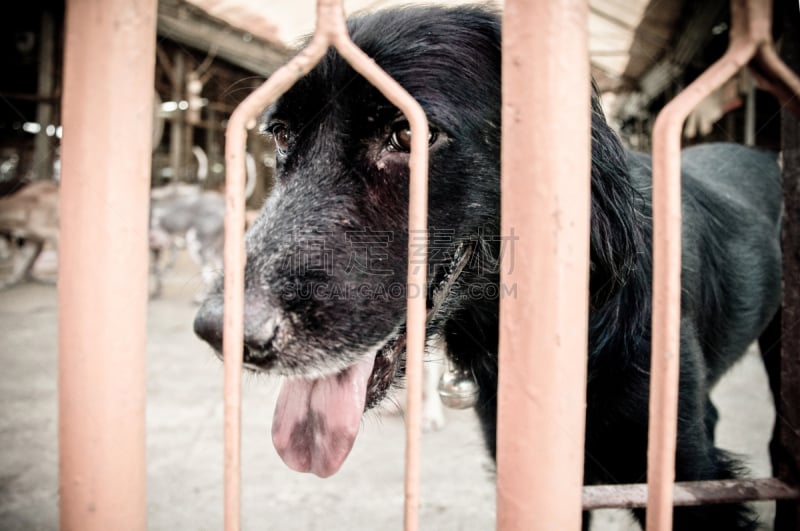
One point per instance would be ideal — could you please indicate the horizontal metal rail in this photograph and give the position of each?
(688, 493)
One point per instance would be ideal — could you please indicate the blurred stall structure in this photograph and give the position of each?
(674, 43)
(642, 53)
(205, 67)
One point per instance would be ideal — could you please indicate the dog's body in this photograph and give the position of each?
(29, 220)
(433, 368)
(331, 244)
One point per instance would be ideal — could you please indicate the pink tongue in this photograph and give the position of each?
(316, 421)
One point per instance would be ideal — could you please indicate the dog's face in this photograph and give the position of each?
(325, 279)
(338, 217)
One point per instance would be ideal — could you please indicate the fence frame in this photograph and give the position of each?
(331, 30)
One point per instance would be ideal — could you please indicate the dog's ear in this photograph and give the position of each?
(615, 217)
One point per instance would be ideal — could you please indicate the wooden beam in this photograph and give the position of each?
(44, 145)
(22, 96)
(177, 129)
(189, 25)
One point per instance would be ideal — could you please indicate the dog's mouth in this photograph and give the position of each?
(317, 420)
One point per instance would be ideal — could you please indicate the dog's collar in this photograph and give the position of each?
(461, 258)
(457, 387)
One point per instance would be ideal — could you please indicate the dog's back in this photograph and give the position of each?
(731, 253)
(741, 176)
(735, 192)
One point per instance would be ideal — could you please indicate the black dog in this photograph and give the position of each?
(326, 260)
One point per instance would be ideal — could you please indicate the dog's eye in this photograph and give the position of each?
(280, 134)
(401, 137)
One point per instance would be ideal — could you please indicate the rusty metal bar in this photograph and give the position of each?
(750, 38)
(102, 285)
(545, 201)
(784, 366)
(782, 361)
(331, 30)
(690, 493)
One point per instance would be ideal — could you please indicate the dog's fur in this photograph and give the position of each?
(29, 220)
(343, 173)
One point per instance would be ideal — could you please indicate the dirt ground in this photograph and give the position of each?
(184, 437)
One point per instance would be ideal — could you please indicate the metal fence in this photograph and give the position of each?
(109, 72)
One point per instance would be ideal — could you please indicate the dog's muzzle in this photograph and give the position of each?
(261, 327)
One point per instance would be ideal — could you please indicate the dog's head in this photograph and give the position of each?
(325, 278)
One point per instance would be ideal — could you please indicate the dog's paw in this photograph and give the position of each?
(432, 415)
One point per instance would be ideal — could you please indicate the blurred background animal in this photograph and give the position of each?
(28, 223)
(186, 216)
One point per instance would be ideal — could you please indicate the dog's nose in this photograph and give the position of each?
(260, 327)
(208, 322)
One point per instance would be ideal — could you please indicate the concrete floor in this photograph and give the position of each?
(184, 437)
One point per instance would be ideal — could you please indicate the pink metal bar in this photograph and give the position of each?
(782, 82)
(242, 119)
(331, 30)
(770, 70)
(102, 286)
(750, 38)
(416, 311)
(545, 202)
(665, 361)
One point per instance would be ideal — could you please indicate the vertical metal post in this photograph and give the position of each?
(665, 349)
(545, 202)
(786, 442)
(750, 41)
(102, 285)
(750, 112)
